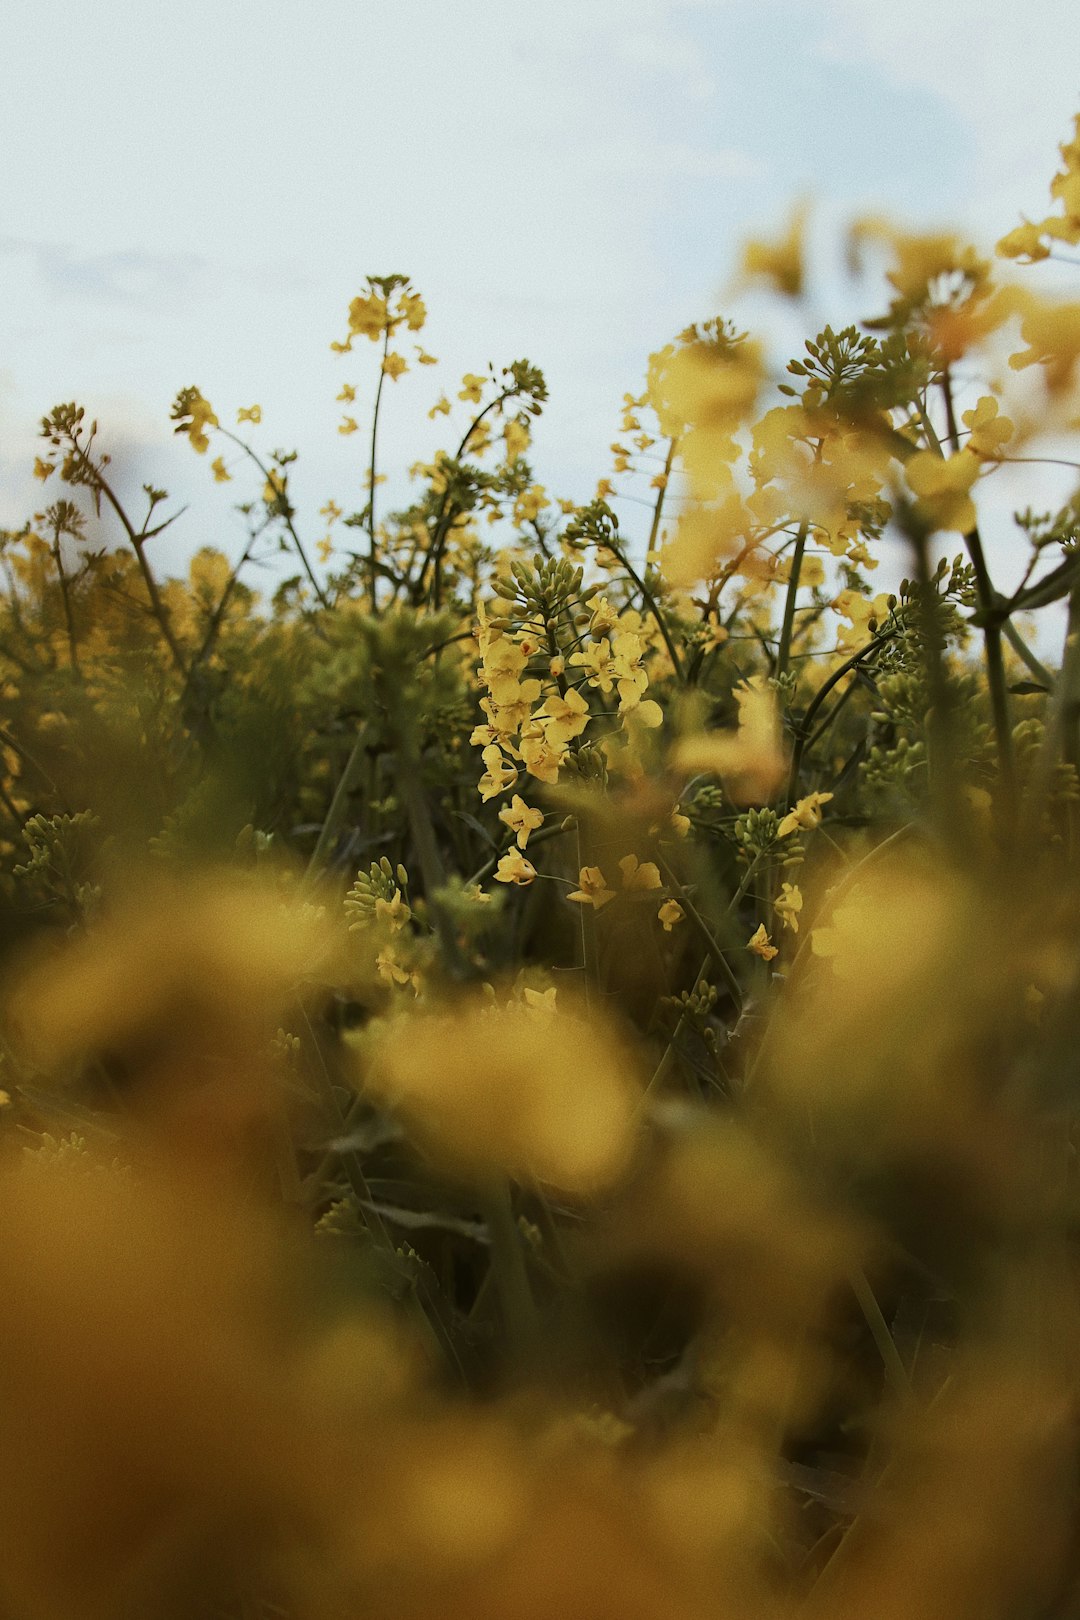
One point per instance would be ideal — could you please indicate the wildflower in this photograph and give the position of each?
(221, 473)
(989, 430)
(761, 945)
(806, 813)
(394, 912)
(639, 874)
(530, 1090)
(595, 659)
(541, 755)
(324, 548)
(669, 914)
(202, 417)
(367, 317)
(541, 1000)
(498, 776)
(780, 262)
(249, 413)
(471, 388)
(564, 717)
(516, 437)
(348, 424)
(788, 904)
(750, 759)
(414, 309)
(441, 407)
(592, 890)
(394, 365)
(43, 469)
(521, 819)
(424, 358)
(331, 512)
(392, 970)
(680, 824)
(514, 868)
(942, 484)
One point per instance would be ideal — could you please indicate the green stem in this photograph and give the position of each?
(373, 558)
(298, 545)
(783, 652)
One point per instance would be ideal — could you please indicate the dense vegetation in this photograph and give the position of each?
(540, 1067)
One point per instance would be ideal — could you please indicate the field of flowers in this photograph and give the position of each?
(539, 1068)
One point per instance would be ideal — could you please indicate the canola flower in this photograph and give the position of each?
(390, 1086)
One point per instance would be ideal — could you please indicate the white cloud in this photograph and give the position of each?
(666, 53)
(666, 160)
(1009, 73)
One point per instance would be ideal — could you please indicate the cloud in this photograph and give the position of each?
(675, 160)
(130, 277)
(661, 52)
(1008, 73)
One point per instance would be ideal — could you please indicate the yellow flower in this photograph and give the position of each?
(1052, 333)
(324, 548)
(471, 387)
(521, 819)
(424, 358)
(202, 417)
(529, 503)
(788, 904)
(669, 914)
(348, 425)
(348, 394)
(516, 437)
(274, 488)
(592, 890)
(750, 759)
(221, 473)
(564, 718)
(249, 413)
(394, 365)
(1025, 242)
(498, 776)
(806, 813)
(514, 868)
(942, 484)
(527, 1090)
(639, 874)
(441, 407)
(680, 824)
(391, 970)
(367, 317)
(779, 262)
(43, 469)
(331, 512)
(989, 430)
(761, 945)
(413, 308)
(595, 659)
(542, 755)
(394, 912)
(541, 1001)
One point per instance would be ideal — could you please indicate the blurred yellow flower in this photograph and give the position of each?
(669, 914)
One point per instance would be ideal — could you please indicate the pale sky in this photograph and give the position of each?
(193, 194)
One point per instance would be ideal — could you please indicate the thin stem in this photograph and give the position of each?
(286, 516)
(372, 546)
(98, 481)
(65, 594)
(783, 652)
